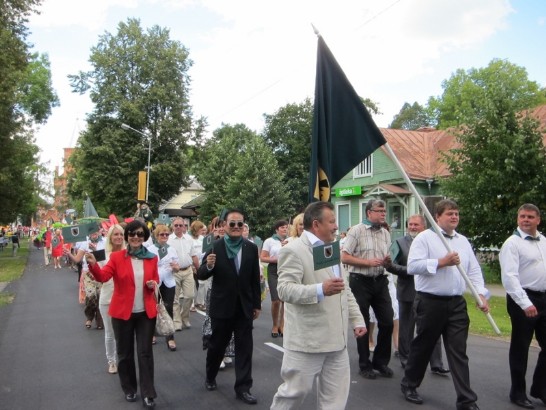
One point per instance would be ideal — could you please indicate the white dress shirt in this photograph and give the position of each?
(184, 248)
(426, 249)
(523, 265)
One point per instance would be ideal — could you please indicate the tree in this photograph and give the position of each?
(475, 93)
(500, 165)
(288, 133)
(26, 98)
(410, 117)
(240, 171)
(141, 79)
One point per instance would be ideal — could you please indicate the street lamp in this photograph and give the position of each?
(128, 127)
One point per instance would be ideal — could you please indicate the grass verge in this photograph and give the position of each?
(479, 324)
(11, 268)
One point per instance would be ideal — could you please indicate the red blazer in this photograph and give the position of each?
(120, 268)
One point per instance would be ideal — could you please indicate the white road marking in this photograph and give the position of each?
(274, 346)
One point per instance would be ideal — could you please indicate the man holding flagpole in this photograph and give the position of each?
(440, 307)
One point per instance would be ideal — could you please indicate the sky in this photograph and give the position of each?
(252, 57)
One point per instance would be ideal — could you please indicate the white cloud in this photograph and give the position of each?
(90, 15)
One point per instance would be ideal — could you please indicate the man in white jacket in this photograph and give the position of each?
(318, 308)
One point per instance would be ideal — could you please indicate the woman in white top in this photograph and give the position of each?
(114, 243)
(269, 255)
(167, 263)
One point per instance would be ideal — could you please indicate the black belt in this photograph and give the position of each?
(438, 297)
(535, 292)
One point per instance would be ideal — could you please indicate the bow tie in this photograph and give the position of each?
(448, 236)
(532, 238)
(375, 227)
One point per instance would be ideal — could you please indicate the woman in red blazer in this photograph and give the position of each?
(133, 309)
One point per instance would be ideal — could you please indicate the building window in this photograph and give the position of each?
(364, 169)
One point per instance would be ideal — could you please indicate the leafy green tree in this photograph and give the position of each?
(288, 133)
(501, 164)
(476, 93)
(26, 98)
(139, 78)
(410, 117)
(240, 171)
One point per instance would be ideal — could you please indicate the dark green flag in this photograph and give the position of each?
(344, 133)
(79, 233)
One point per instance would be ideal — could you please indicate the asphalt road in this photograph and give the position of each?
(49, 360)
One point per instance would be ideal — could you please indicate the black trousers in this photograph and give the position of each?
(406, 332)
(167, 294)
(222, 329)
(444, 316)
(141, 328)
(523, 328)
(374, 292)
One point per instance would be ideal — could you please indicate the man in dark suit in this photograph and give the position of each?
(405, 293)
(234, 303)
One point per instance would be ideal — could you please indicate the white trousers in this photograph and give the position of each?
(299, 371)
(109, 339)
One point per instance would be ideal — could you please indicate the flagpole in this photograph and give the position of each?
(439, 233)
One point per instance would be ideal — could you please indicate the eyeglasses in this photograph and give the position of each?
(163, 234)
(232, 224)
(381, 211)
(139, 234)
(179, 226)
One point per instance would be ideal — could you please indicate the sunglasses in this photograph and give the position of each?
(164, 234)
(139, 234)
(233, 224)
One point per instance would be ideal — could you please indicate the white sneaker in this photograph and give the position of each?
(112, 368)
(222, 365)
(228, 360)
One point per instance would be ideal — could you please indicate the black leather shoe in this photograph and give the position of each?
(525, 403)
(537, 396)
(368, 374)
(384, 370)
(470, 406)
(246, 397)
(411, 395)
(210, 385)
(440, 371)
(130, 397)
(148, 402)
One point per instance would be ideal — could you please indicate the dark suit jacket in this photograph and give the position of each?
(120, 268)
(230, 288)
(405, 287)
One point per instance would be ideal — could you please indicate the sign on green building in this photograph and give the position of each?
(349, 191)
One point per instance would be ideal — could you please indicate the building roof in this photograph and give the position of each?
(420, 151)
